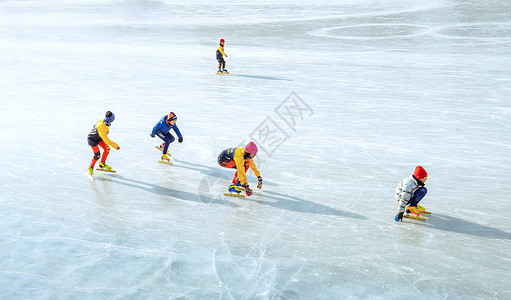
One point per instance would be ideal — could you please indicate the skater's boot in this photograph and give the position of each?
(91, 171)
(235, 189)
(219, 72)
(164, 157)
(225, 71)
(413, 210)
(420, 208)
(105, 166)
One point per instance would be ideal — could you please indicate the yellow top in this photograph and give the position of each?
(103, 131)
(239, 153)
(221, 49)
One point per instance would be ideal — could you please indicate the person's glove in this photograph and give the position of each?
(151, 135)
(399, 216)
(180, 139)
(118, 148)
(248, 190)
(259, 182)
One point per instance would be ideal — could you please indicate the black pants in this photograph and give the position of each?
(220, 59)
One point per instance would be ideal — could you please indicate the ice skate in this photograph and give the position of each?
(422, 210)
(413, 210)
(105, 166)
(165, 159)
(225, 71)
(234, 190)
(219, 72)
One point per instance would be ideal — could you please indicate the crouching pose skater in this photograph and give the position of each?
(410, 191)
(241, 159)
(162, 130)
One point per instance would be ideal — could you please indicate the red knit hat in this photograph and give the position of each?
(420, 173)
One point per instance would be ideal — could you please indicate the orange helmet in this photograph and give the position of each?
(171, 116)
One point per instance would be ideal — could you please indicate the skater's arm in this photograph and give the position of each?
(254, 168)
(240, 165)
(221, 49)
(103, 134)
(176, 129)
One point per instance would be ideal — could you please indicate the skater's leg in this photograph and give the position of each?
(106, 151)
(167, 139)
(96, 156)
(417, 196)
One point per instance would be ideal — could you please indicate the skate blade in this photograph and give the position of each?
(166, 162)
(105, 170)
(414, 217)
(234, 195)
(90, 177)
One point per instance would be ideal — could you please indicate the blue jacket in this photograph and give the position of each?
(162, 127)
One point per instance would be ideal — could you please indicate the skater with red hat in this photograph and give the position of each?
(241, 159)
(410, 192)
(220, 58)
(162, 130)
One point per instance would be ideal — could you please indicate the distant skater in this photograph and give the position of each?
(410, 191)
(220, 58)
(162, 130)
(98, 136)
(241, 159)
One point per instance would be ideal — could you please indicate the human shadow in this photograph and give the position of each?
(164, 191)
(449, 223)
(287, 202)
(218, 171)
(259, 77)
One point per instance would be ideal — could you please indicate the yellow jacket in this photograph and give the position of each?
(239, 153)
(103, 131)
(221, 49)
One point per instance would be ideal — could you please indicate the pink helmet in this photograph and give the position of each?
(251, 148)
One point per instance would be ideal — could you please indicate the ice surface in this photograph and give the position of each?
(374, 88)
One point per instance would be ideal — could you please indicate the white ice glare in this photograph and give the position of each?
(343, 98)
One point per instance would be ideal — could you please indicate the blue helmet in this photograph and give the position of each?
(109, 117)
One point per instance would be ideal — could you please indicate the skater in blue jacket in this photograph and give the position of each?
(162, 130)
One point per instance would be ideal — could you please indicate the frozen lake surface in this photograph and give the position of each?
(344, 100)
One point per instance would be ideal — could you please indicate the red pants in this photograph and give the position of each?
(106, 151)
(232, 165)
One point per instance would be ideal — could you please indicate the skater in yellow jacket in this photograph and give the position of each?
(98, 136)
(220, 58)
(241, 159)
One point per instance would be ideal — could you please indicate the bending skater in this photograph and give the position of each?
(162, 130)
(241, 159)
(410, 192)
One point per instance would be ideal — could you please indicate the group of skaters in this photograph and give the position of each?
(409, 192)
(239, 158)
